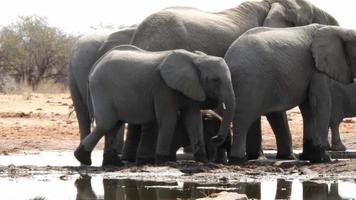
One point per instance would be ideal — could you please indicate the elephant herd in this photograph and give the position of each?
(169, 76)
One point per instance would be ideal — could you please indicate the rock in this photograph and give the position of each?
(225, 196)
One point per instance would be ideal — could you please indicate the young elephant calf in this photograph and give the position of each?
(131, 85)
(343, 98)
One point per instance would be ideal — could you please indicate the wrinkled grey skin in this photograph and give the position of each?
(163, 85)
(343, 98)
(277, 69)
(193, 29)
(87, 50)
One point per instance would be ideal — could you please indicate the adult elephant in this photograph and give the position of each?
(87, 50)
(193, 29)
(277, 69)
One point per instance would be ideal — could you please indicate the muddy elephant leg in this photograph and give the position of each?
(133, 136)
(254, 148)
(280, 127)
(147, 145)
(113, 147)
(318, 106)
(336, 143)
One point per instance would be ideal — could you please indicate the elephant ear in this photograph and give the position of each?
(330, 55)
(179, 72)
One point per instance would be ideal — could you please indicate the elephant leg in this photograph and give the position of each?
(220, 156)
(112, 147)
(81, 110)
(83, 151)
(147, 146)
(194, 126)
(241, 125)
(319, 106)
(118, 143)
(166, 128)
(336, 143)
(280, 127)
(133, 136)
(254, 141)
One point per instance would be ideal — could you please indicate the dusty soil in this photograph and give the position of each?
(47, 122)
(37, 122)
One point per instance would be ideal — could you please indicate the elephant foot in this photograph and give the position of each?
(237, 161)
(338, 147)
(145, 160)
(315, 154)
(290, 156)
(82, 155)
(161, 159)
(111, 158)
(201, 158)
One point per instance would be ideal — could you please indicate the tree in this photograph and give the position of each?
(32, 51)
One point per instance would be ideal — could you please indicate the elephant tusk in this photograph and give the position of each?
(224, 106)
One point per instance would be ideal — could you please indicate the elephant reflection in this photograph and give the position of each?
(140, 190)
(132, 190)
(315, 191)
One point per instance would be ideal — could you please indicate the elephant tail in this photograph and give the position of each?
(90, 106)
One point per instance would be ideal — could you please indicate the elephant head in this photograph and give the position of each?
(288, 13)
(334, 51)
(199, 76)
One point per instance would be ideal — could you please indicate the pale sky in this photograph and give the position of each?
(77, 16)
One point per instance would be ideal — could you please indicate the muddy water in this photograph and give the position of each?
(56, 175)
(97, 187)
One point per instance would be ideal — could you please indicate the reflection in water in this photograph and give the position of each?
(95, 188)
(139, 190)
(84, 188)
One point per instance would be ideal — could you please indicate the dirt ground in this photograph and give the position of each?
(47, 122)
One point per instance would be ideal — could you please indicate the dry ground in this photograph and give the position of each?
(36, 121)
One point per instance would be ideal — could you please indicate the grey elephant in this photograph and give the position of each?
(343, 99)
(87, 50)
(164, 85)
(193, 29)
(277, 69)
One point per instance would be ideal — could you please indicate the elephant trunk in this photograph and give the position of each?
(228, 99)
